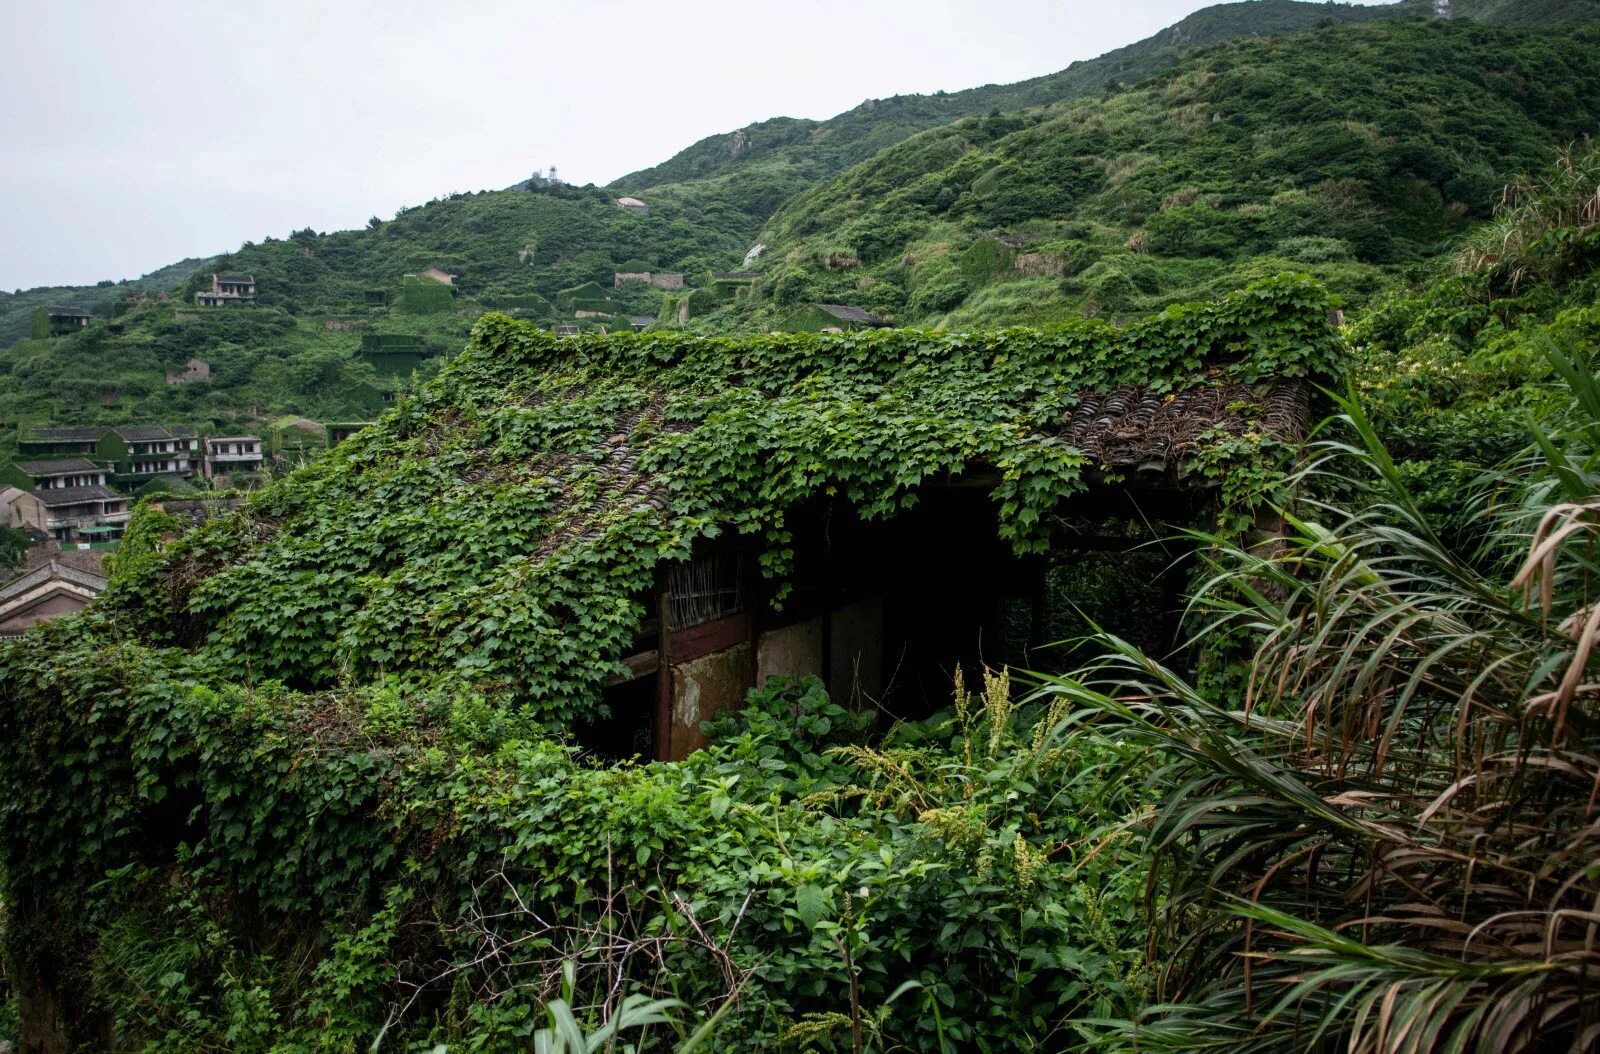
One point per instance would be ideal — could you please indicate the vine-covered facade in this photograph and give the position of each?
(330, 705)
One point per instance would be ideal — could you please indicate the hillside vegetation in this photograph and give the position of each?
(775, 159)
(17, 308)
(1342, 152)
(511, 249)
(313, 776)
(1348, 151)
(1263, 846)
(357, 691)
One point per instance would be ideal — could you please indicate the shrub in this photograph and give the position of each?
(1314, 249)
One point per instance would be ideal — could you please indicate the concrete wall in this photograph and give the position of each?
(845, 647)
(28, 511)
(195, 370)
(8, 500)
(702, 688)
(659, 279)
(793, 651)
(855, 651)
(60, 604)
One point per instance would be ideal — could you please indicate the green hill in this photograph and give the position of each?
(501, 243)
(776, 158)
(1347, 151)
(294, 351)
(17, 308)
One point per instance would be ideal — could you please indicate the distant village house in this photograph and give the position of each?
(66, 513)
(46, 441)
(633, 205)
(58, 321)
(62, 473)
(142, 452)
(63, 320)
(225, 455)
(395, 354)
(438, 274)
(228, 289)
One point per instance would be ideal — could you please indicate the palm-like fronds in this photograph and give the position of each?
(1391, 841)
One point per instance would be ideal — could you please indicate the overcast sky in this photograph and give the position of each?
(139, 132)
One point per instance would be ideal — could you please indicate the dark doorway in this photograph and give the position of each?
(630, 730)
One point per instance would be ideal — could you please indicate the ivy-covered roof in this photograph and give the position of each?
(64, 435)
(494, 528)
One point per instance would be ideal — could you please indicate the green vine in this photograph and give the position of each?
(496, 528)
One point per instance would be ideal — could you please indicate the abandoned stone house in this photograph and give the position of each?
(58, 321)
(438, 274)
(227, 290)
(881, 600)
(659, 279)
(633, 205)
(869, 617)
(338, 431)
(829, 318)
(394, 354)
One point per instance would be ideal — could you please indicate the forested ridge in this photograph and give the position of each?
(1362, 139)
(317, 774)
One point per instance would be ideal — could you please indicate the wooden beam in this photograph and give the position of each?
(663, 734)
(708, 637)
(642, 664)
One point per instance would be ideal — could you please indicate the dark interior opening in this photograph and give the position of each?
(885, 610)
(954, 592)
(630, 730)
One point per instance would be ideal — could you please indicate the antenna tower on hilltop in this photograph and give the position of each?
(1444, 9)
(554, 179)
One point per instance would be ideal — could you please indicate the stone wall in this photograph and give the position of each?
(1037, 265)
(659, 279)
(195, 370)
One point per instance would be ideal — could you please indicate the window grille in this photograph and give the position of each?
(705, 589)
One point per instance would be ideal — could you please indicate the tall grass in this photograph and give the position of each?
(1389, 838)
(1543, 225)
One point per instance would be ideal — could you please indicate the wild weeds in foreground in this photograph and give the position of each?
(1387, 841)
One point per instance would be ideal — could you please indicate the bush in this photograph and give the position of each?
(937, 285)
(1314, 249)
